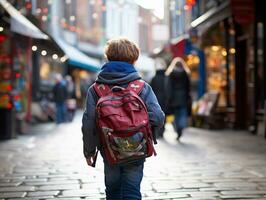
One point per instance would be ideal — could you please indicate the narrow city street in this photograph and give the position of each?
(48, 164)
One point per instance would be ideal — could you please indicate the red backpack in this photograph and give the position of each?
(123, 123)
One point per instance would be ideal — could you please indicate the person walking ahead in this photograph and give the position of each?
(60, 96)
(122, 181)
(157, 84)
(178, 93)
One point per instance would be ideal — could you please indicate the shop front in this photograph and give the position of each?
(83, 79)
(48, 60)
(216, 38)
(227, 39)
(6, 85)
(16, 35)
(259, 70)
(220, 64)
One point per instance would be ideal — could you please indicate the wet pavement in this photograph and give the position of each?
(48, 163)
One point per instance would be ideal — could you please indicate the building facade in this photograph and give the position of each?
(232, 36)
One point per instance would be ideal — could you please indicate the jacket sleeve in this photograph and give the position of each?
(90, 138)
(156, 115)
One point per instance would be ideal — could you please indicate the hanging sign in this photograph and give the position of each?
(243, 11)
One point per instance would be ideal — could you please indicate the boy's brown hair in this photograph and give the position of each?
(121, 49)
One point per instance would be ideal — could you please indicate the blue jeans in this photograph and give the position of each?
(181, 116)
(123, 182)
(60, 112)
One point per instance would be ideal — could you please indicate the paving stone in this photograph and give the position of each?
(196, 185)
(12, 194)
(35, 198)
(58, 187)
(13, 177)
(166, 186)
(27, 180)
(239, 196)
(175, 196)
(204, 194)
(99, 185)
(156, 198)
(42, 193)
(10, 184)
(244, 185)
(17, 189)
(32, 171)
(223, 180)
(4, 181)
(65, 198)
(243, 192)
(80, 193)
(52, 183)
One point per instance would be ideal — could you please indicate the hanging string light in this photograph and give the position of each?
(34, 48)
(95, 15)
(44, 52)
(63, 59)
(72, 18)
(55, 56)
(44, 18)
(38, 11)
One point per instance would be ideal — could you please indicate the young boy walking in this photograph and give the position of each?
(123, 180)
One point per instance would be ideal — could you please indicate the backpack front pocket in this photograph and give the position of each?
(124, 147)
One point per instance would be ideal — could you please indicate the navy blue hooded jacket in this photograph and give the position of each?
(121, 74)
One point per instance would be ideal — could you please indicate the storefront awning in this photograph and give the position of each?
(211, 17)
(78, 59)
(21, 24)
(178, 46)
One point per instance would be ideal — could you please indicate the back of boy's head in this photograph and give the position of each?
(122, 49)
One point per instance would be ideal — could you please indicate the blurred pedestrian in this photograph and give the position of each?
(60, 96)
(122, 181)
(157, 84)
(70, 87)
(178, 93)
(71, 101)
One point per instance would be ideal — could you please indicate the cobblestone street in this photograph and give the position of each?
(48, 164)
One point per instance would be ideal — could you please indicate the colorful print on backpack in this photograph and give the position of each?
(123, 123)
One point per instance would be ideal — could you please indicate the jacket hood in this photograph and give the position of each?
(177, 71)
(117, 73)
(160, 72)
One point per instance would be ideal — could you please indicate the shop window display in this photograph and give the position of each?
(192, 61)
(83, 80)
(48, 69)
(218, 44)
(216, 72)
(22, 79)
(5, 73)
(14, 83)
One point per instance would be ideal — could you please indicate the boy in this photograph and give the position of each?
(121, 181)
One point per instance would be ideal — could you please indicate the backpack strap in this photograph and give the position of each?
(101, 89)
(136, 86)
